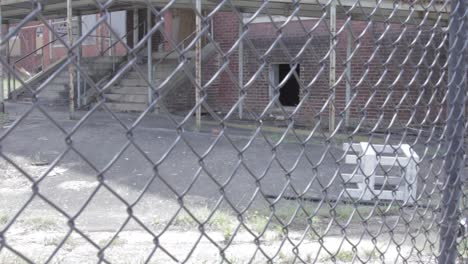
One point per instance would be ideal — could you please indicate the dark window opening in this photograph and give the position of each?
(289, 93)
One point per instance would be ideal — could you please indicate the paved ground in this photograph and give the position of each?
(192, 164)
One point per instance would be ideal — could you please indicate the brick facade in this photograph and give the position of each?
(401, 83)
(387, 80)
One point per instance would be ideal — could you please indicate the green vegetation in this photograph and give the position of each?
(118, 241)
(40, 224)
(257, 222)
(3, 218)
(345, 256)
(52, 241)
(13, 85)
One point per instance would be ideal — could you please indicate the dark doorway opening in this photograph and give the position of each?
(289, 93)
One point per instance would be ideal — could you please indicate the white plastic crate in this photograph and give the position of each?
(368, 158)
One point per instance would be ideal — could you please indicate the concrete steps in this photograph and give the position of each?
(126, 107)
(130, 98)
(129, 90)
(56, 91)
(133, 82)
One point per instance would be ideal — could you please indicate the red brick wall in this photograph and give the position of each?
(379, 89)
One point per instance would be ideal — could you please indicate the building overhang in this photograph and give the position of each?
(419, 12)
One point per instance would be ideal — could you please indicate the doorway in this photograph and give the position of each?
(290, 92)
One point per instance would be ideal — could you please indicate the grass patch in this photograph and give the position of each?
(52, 241)
(257, 222)
(370, 254)
(71, 244)
(227, 233)
(183, 219)
(302, 218)
(463, 249)
(13, 85)
(3, 219)
(40, 224)
(11, 259)
(344, 212)
(286, 259)
(220, 220)
(3, 118)
(117, 242)
(345, 256)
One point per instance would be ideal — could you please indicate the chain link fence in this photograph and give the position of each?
(274, 131)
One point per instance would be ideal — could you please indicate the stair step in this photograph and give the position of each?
(127, 98)
(129, 90)
(126, 107)
(134, 82)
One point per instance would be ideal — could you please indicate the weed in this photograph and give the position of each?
(71, 244)
(117, 242)
(40, 224)
(3, 118)
(227, 234)
(3, 219)
(221, 220)
(257, 222)
(286, 259)
(370, 254)
(52, 241)
(11, 259)
(301, 218)
(344, 256)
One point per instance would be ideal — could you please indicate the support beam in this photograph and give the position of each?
(349, 49)
(241, 69)
(71, 67)
(198, 58)
(51, 46)
(80, 55)
(332, 76)
(149, 55)
(136, 28)
(7, 52)
(110, 35)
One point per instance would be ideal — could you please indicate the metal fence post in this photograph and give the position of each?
(454, 134)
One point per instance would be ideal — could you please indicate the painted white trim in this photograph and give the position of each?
(276, 18)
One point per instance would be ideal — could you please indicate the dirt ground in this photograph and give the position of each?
(103, 193)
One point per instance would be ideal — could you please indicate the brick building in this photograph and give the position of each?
(401, 83)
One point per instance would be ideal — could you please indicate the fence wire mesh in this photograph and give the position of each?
(231, 131)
